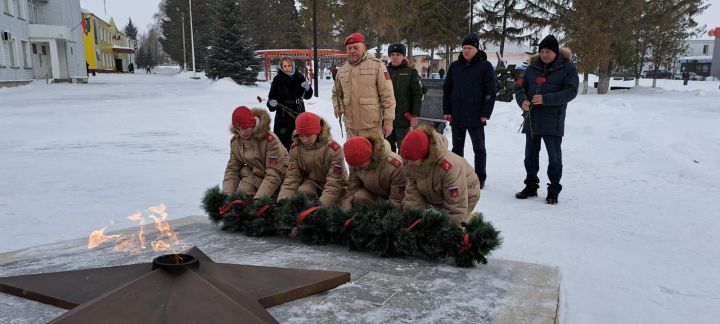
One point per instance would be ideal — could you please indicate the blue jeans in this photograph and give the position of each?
(477, 136)
(532, 160)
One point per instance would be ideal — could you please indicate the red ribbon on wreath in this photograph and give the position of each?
(346, 225)
(227, 207)
(466, 244)
(415, 223)
(304, 214)
(261, 210)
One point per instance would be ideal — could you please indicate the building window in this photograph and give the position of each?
(34, 49)
(7, 7)
(13, 53)
(706, 49)
(26, 53)
(43, 51)
(17, 8)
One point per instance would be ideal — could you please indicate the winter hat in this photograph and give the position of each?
(307, 123)
(358, 151)
(415, 146)
(472, 39)
(396, 48)
(551, 43)
(354, 38)
(242, 117)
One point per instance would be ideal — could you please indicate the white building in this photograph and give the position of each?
(41, 39)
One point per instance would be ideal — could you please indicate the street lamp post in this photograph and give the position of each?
(182, 19)
(315, 49)
(192, 40)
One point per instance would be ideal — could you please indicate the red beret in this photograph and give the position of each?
(354, 38)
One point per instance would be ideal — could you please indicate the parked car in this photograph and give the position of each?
(661, 74)
(693, 76)
(623, 75)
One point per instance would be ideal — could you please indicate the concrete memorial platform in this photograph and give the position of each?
(395, 290)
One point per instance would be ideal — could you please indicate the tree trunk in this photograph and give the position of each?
(585, 83)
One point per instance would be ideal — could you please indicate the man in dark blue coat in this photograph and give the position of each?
(548, 85)
(468, 101)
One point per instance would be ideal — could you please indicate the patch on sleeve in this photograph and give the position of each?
(272, 160)
(395, 162)
(387, 74)
(334, 145)
(453, 191)
(337, 170)
(402, 189)
(270, 137)
(292, 165)
(410, 181)
(445, 165)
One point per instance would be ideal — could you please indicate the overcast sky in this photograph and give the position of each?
(142, 11)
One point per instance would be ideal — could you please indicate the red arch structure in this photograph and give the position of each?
(305, 55)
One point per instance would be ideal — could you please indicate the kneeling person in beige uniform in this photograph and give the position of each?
(375, 173)
(437, 176)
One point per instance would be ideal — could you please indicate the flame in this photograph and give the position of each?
(166, 239)
(98, 237)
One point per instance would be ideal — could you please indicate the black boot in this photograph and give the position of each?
(552, 196)
(529, 191)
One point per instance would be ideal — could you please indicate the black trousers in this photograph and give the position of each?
(532, 160)
(477, 136)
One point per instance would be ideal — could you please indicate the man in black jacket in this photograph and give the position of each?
(550, 82)
(408, 95)
(469, 99)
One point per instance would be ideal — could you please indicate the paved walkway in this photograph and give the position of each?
(381, 290)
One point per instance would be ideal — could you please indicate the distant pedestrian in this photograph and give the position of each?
(333, 71)
(685, 77)
(441, 72)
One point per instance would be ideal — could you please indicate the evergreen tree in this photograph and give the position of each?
(273, 24)
(130, 30)
(172, 16)
(230, 54)
(504, 20)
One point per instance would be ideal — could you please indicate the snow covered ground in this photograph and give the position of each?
(636, 233)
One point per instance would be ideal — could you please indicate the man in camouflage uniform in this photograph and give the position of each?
(363, 92)
(375, 173)
(408, 95)
(317, 165)
(258, 161)
(438, 177)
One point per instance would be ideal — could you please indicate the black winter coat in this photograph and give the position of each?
(469, 91)
(408, 93)
(559, 88)
(287, 90)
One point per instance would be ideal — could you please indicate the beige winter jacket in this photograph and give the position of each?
(320, 167)
(257, 164)
(445, 180)
(363, 92)
(384, 178)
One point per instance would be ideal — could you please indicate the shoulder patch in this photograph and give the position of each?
(395, 162)
(334, 145)
(445, 165)
(387, 74)
(269, 137)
